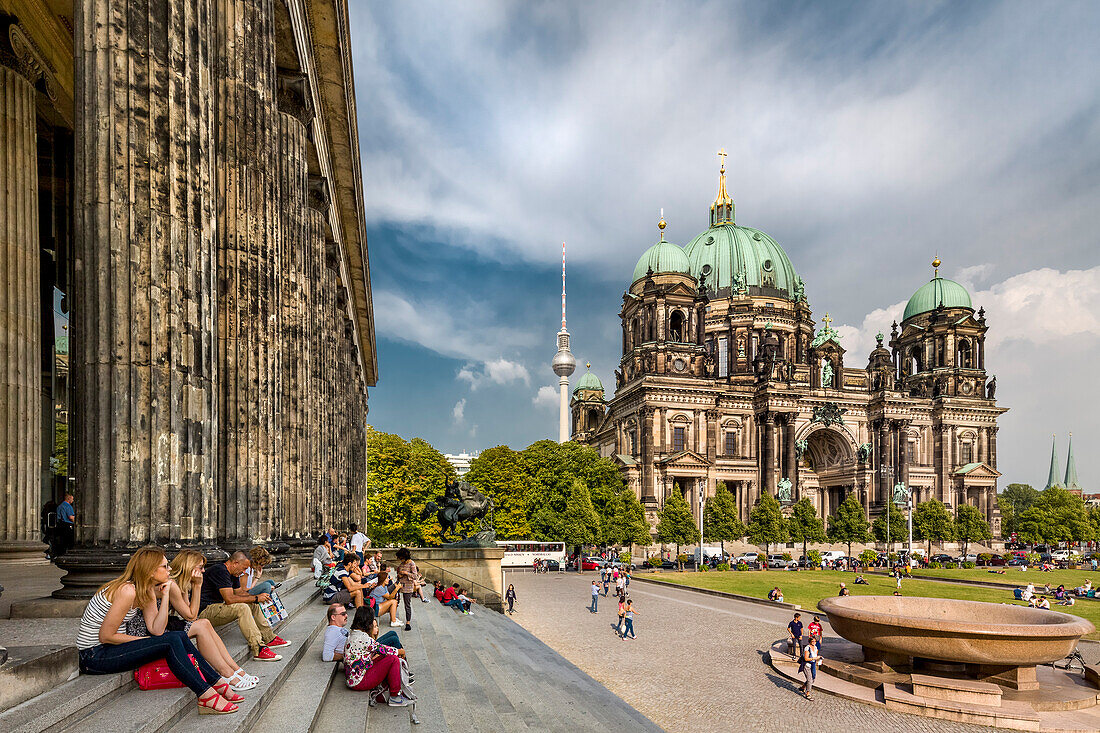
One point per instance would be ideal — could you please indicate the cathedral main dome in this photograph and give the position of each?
(729, 255)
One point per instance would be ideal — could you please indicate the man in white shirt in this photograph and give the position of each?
(358, 542)
(335, 634)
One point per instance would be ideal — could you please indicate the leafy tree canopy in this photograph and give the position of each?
(970, 526)
(675, 523)
(720, 520)
(804, 524)
(898, 526)
(767, 526)
(849, 524)
(932, 522)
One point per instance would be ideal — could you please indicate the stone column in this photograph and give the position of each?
(645, 434)
(293, 455)
(314, 384)
(143, 340)
(903, 452)
(20, 319)
(247, 128)
(792, 460)
(768, 478)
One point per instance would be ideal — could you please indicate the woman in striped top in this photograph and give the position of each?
(106, 648)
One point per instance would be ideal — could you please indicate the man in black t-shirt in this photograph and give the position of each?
(794, 629)
(222, 600)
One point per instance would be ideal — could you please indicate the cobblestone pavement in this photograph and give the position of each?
(697, 663)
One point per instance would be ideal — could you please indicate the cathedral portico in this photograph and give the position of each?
(724, 378)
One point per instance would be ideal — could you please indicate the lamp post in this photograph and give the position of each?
(887, 473)
(699, 563)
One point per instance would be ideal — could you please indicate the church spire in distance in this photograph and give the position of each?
(564, 363)
(721, 211)
(1052, 477)
(1071, 468)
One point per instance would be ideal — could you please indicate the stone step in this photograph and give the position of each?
(32, 670)
(67, 705)
(1007, 715)
(297, 707)
(959, 690)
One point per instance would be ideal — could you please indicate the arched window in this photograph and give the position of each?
(594, 416)
(965, 360)
(676, 326)
(636, 328)
(914, 360)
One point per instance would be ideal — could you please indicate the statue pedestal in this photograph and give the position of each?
(475, 568)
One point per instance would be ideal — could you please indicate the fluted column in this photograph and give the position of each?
(293, 455)
(768, 455)
(143, 340)
(20, 320)
(314, 379)
(248, 273)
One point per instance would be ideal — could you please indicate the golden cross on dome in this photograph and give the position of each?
(828, 321)
(722, 154)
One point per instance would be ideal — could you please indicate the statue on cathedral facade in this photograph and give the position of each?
(783, 489)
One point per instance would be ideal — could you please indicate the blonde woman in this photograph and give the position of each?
(186, 572)
(105, 648)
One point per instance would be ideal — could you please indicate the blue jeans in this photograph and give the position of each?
(595, 597)
(460, 604)
(390, 639)
(264, 586)
(173, 646)
(629, 629)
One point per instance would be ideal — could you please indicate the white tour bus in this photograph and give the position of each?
(523, 553)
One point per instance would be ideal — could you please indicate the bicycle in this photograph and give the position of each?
(1073, 662)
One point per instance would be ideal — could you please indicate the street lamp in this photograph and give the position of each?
(699, 562)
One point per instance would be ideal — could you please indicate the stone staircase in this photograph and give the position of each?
(474, 673)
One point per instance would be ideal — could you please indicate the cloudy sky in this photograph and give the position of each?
(865, 138)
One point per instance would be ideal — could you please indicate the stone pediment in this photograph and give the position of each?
(685, 458)
(977, 470)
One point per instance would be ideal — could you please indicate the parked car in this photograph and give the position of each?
(969, 558)
(997, 561)
(1017, 562)
(942, 557)
(747, 557)
(590, 563)
(778, 561)
(1060, 555)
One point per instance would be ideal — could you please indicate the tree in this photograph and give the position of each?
(804, 524)
(630, 521)
(766, 523)
(551, 468)
(932, 522)
(898, 527)
(675, 524)
(500, 474)
(970, 526)
(720, 520)
(579, 522)
(1013, 502)
(849, 524)
(402, 478)
(1056, 516)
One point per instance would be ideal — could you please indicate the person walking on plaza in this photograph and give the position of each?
(510, 596)
(815, 629)
(595, 596)
(794, 631)
(628, 614)
(808, 667)
(407, 576)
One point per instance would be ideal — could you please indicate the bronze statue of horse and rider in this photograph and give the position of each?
(461, 502)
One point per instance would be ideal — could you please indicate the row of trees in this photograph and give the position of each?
(1052, 515)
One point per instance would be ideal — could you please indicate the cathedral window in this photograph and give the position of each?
(678, 439)
(911, 451)
(723, 356)
(676, 326)
(731, 443)
(633, 438)
(965, 361)
(967, 452)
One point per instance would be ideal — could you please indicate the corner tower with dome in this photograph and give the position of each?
(725, 377)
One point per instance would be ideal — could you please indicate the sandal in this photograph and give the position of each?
(213, 704)
(225, 691)
(241, 680)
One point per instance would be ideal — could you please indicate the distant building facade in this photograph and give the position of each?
(461, 461)
(723, 378)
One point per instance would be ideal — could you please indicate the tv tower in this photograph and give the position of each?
(563, 363)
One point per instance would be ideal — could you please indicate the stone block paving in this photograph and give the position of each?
(697, 663)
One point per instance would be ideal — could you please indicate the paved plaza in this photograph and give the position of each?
(697, 663)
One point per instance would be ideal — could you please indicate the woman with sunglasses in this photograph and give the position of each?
(106, 648)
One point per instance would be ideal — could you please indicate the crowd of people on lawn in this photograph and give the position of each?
(163, 616)
(1062, 596)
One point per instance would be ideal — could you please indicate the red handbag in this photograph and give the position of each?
(156, 675)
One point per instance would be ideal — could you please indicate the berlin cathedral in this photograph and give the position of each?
(723, 378)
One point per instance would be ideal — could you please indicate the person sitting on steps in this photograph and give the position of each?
(342, 587)
(223, 600)
(462, 602)
(105, 648)
(367, 663)
(386, 597)
(258, 559)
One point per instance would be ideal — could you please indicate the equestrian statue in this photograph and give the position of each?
(462, 502)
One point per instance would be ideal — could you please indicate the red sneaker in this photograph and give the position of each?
(266, 655)
(278, 642)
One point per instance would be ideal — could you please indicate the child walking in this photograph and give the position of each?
(510, 596)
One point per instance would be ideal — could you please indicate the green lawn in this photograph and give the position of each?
(1017, 578)
(806, 588)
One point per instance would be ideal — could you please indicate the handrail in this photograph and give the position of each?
(492, 594)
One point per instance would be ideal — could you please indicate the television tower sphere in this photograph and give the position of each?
(564, 362)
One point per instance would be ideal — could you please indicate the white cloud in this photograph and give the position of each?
(546, 397)
(459, 411)
(497, 371)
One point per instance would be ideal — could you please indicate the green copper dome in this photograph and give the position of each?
(935, 292)
(661, 257)
(738, 258)
(589, 380)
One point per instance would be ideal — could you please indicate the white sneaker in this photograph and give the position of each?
(396, 701)
(397, 623)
